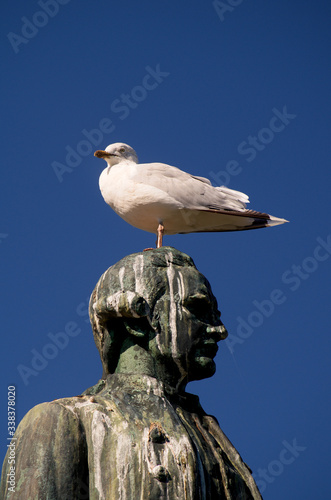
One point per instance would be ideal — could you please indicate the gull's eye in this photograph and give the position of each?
(122, 150)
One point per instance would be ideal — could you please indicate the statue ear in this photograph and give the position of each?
(130, 306)
(122, 304)
(137, 328)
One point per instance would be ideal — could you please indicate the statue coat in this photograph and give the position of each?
(135, 439)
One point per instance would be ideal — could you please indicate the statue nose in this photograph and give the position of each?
(217, 333)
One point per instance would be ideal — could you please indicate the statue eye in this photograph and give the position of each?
(197, 305)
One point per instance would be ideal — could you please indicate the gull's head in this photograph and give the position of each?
(117, 152)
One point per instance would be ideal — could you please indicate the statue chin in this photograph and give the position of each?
(203, 367)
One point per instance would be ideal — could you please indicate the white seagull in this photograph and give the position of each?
(162, 199)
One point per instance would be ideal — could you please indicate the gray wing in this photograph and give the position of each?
(192, 191)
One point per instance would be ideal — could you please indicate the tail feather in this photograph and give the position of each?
(275, 221)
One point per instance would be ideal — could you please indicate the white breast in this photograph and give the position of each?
(139, 204)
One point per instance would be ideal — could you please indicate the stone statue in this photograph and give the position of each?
(137, 434)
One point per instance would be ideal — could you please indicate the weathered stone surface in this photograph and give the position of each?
(137, 433)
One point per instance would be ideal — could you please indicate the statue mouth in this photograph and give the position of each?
(207, 348)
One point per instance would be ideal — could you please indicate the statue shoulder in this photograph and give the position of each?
(47, 415)
(50, 448)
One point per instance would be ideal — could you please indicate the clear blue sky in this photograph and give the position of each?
(239, 94)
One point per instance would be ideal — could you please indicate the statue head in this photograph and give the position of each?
(160, 308)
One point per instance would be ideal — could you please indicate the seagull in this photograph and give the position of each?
(162, 199)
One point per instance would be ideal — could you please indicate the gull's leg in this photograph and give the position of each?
(160, 232)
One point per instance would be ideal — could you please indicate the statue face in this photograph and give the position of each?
(162, 288)
(189, 325)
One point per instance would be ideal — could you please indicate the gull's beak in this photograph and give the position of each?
(102, 154)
